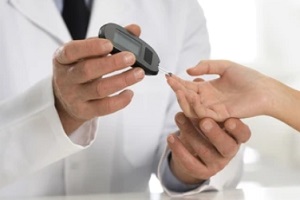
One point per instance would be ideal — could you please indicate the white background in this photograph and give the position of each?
(264, 35)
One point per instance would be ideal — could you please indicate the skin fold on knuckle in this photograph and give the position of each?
(102, 46)
(201, 173)
(79, 111)
(85, 72)
(241, 132)
(57, 82)
(116, 61)
(92, 46)
(121, 101)
(246, 134)
(59, 54)
(66, 55)
(204, 151)
(218, 166)
(68, 93)
(190, 167)
(128, 79)
(241, 136)
(105, 107)
(100, 89)
(230, 151)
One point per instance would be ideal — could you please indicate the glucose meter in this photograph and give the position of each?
(123, 40)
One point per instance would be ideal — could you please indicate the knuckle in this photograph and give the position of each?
(124, 80)
(242, 137)
(242, 132)
(217, 167)
(213, 171)
(76, 109)
(57, 81)
(105, 45)
(203, 174)
(113, 105)
(71, 100)
(64, 53)
(101, 89)
(107, 108)
(85, 71)
(81, 111)
(93, 46)
(229, 152)
(128, 80)
(59, 54)
(190, 168)
(228, 149)
(203, 151)
(221, 165)
(114, 61)
(246, 135)
(88, 44)
(118, 60)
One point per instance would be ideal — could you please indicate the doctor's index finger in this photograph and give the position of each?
(76, 50)
(210, 67)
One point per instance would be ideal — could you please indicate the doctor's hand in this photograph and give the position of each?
(81, 88)
(239, 91)
(203, 147)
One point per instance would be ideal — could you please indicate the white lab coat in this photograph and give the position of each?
(36, 157)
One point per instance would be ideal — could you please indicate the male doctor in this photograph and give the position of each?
(93, 125)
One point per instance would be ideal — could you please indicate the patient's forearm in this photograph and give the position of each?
(285, 104)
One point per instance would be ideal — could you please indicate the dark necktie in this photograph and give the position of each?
(76, 16)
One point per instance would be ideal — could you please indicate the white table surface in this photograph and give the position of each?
(285, 193)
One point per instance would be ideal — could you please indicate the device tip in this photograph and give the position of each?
(165, 71)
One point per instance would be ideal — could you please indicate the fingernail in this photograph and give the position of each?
(130, 94)
(171, 139)
(129, 59)
(139, 73)
(181, 119)
(107, 46)
(59, 54)
(207, 125)
(231, 125)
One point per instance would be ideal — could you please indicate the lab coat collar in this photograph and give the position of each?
(45, 16)
(114, 11)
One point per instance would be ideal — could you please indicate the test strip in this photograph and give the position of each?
(165, 71)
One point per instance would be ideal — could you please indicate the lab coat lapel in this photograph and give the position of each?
(44, 15)
(106, 11)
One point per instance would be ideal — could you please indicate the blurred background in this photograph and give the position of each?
(264, 35)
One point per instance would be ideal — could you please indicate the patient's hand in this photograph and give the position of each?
(238, 92)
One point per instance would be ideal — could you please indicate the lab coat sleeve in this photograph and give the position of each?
(31, 134)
